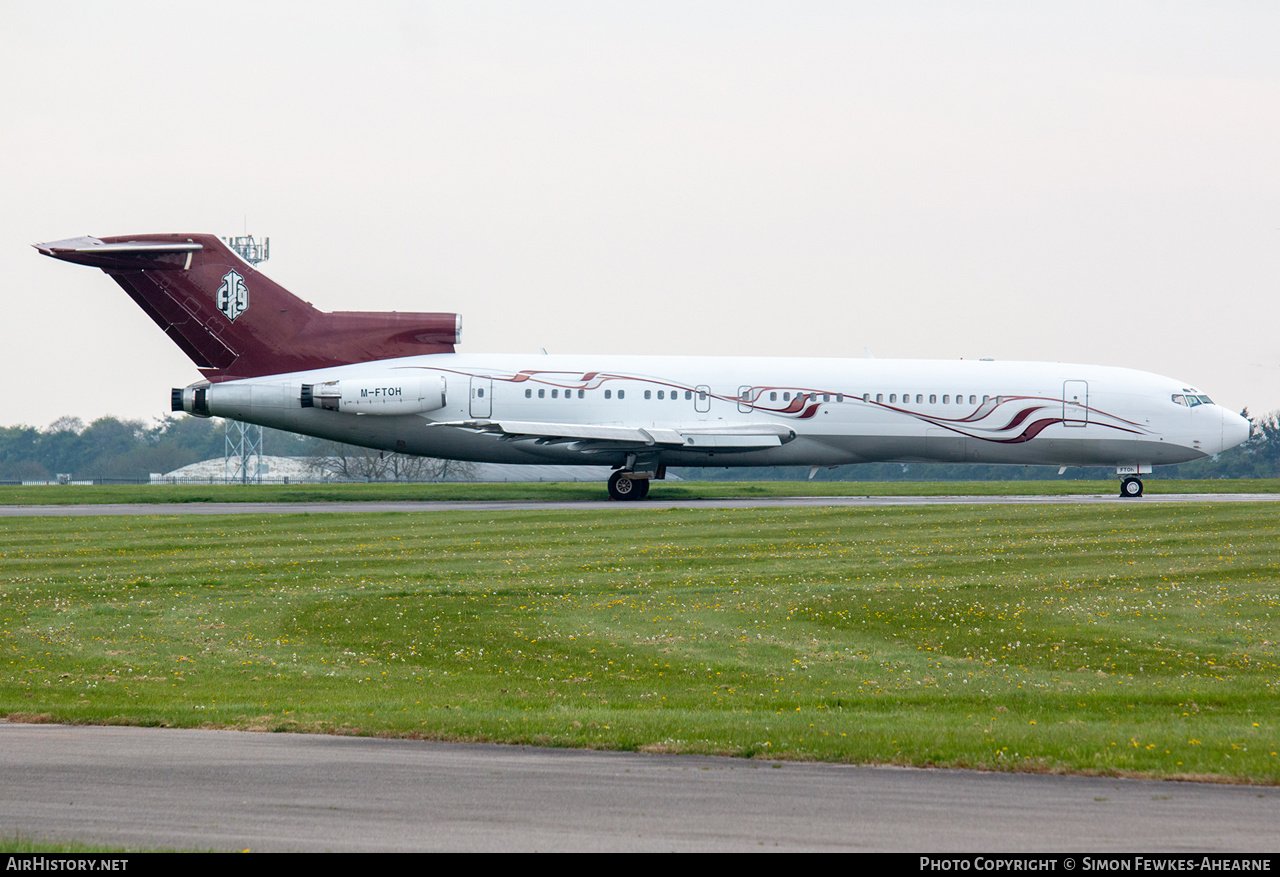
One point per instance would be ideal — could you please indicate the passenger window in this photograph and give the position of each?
(660, 396)
(608, 394)
(893, 397)
(622, 394)
(946, 399)
(826, 397)
(933, 398)
(786, 397)
(688, 394)
(879, 397)
(528, 394)
(580, 394)
(647, 395)
(919, 398)
(839, 397)
(555, 394)
(773, 397)
(542, 394)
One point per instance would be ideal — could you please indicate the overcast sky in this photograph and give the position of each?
(1083, 182)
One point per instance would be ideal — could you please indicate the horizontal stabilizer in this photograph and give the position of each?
(123, 255)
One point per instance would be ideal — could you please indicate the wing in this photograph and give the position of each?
(588, 437)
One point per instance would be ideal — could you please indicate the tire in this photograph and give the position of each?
(1131, 487)
(622, 487)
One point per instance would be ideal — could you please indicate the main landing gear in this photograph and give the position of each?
(1131, 487)
(625, 486)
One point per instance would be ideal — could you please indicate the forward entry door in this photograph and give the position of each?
(1075, 403)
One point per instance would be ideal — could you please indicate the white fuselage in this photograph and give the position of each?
(527, 409)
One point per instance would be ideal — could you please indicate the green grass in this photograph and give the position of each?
(1121, 640)
(20, 844)
(156, 493)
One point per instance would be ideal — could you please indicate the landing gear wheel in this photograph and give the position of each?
(1131, 487)
(623, 487)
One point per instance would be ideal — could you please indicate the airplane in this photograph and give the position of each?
(393, 381)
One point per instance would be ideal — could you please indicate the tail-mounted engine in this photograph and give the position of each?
(408, 395)
(392, 393)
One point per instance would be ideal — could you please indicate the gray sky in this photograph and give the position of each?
(1084, 182)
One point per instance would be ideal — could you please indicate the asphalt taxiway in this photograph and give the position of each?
(315, 508)
(229, 790)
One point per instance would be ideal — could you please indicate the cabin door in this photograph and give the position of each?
(702, 400)
(481, 396)
(1075, 403)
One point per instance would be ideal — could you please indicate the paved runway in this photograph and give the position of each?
(312, 508)
(236, 790)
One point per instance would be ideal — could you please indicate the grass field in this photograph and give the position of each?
(1126, 639)
(157, 493)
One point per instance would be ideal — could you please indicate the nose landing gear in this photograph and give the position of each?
(1130, 478)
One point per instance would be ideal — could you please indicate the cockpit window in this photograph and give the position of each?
(1205, 400)
(1177, 398)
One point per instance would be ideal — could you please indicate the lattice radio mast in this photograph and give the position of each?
(242, 460)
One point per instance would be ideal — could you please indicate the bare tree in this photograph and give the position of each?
(452, 470)
(350, 463)
(66, 423)
(335, 460)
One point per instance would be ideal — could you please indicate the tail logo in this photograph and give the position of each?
(233, 296)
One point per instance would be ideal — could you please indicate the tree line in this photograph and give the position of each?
(114, 449)
(110, 449)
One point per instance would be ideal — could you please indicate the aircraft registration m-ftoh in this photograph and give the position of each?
(392, 381)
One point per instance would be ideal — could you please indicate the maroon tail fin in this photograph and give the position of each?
(234, 322)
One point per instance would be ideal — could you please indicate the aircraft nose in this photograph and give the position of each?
(1235, 429)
